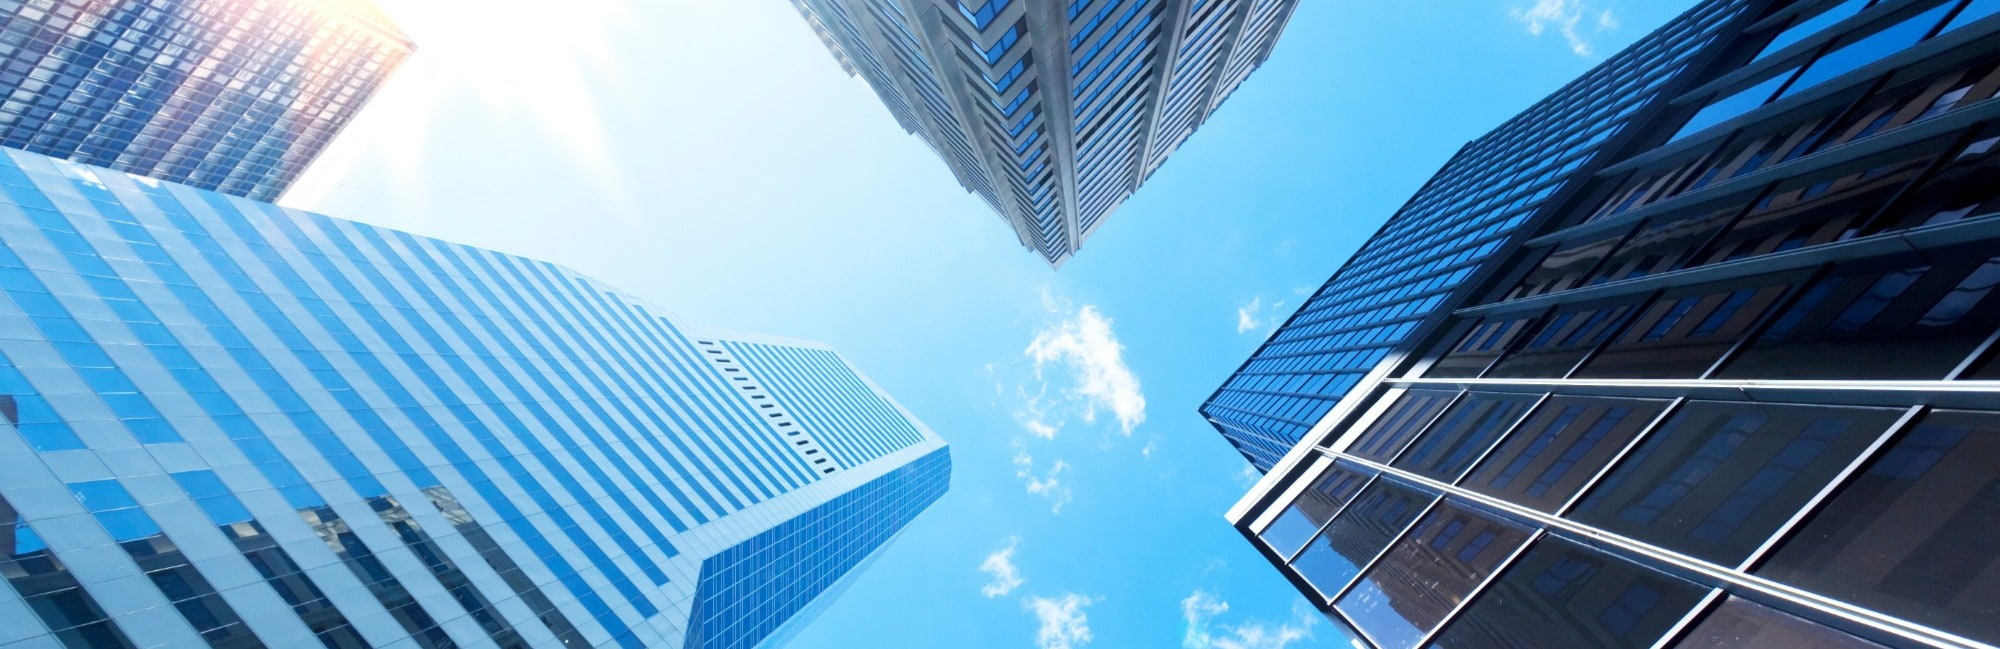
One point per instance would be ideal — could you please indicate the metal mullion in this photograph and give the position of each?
(1893, 394)
(1676, 633)
(1680, 565)
(1838, 481)
(1384, 552)
(1365, 641)
(1534, 536)
(1972, 360)
(1673, 408)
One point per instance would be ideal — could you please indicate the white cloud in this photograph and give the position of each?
(1063, 625)
(1565, 16)
(1050, 487)
(1147, 450)
(1255, 316)
(1200, 610)
(1083, 343)
(1000, 565)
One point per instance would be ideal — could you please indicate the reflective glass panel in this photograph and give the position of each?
(1562, 341)
(1718, 479)
(1869, 49)
(1964, 189)
(1740, 622)
(1479, 347)
(1464, 433)
(1436, 566)
(1915, 319)
(1912, 535)
(1565, 594)
(1403, 421)
(1661, 246)
(1684, 332)
(1359, 533)
(1314, 508)
(1565, 443)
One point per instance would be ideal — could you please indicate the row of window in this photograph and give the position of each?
(1720, 482)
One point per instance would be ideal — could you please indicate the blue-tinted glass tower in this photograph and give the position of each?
(1736, 384)
(237, 96)
(1051, 111)
(228, 424)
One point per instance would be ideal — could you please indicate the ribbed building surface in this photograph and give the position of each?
(1739, 386)
(229, 424)
(237, 96)
(1397, 285)
(1052, 111)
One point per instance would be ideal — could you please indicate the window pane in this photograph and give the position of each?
(1917, 319)
(1565, 268)
(1463, 434)
(1568, 440)
(1685, 332)
(1869, 49)
(1359, 533)
(1740, 622)
(1429, 572)
(1564, 594)
(1820, 209)
(1913, 534)
(1393, 430)
(1718, 479)
(1812, 25)
(1964, 189)
(1558, 344)
(1314, 508)
(1661, 246)
(1479, 347)
(1726, 108)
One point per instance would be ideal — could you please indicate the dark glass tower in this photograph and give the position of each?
(228, 424)
(236, 96)
(1733, 385)
(1051, 111)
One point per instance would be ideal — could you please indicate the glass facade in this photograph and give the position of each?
(231, 424)
(1489, 196)
(1053, 115)
(232, 96)
(1733, 390)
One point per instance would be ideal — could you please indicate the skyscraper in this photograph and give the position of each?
(1732, 385)
(236, 96)
(1051, 112)
(232, 424)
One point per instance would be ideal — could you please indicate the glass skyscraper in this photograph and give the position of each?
(229, 424)
(1734, 384)
(236, 96)
(1051, 111)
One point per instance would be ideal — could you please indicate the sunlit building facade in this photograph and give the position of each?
(237, 96)
(1051, 111)
(229, 424)
(1736, 385)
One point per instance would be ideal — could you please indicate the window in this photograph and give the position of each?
(1359, 533)
(1463, 434)
(1810, 25)
(1436, 566)
(1740, 622)
(1963, 189)
(1822, 208)
(1868, 49)
(1915, 319)
(1912, 534)
(1314, 508)
(1718, 479)
(1477, 349)
(1686, 331)
(1394, 429)
(1558, 344)
(1565, 594)
(1565, 267)
(1567, 441)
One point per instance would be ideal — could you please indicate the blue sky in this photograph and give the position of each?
(710, 156)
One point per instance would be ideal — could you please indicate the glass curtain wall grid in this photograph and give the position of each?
(1737, 391)
(1492, 193)
(229, 424)
(1051, 111)
(238, 97)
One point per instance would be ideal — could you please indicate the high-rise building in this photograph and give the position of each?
(1733, 384)
(232, 424)
(237, 96)
(1053, 112)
